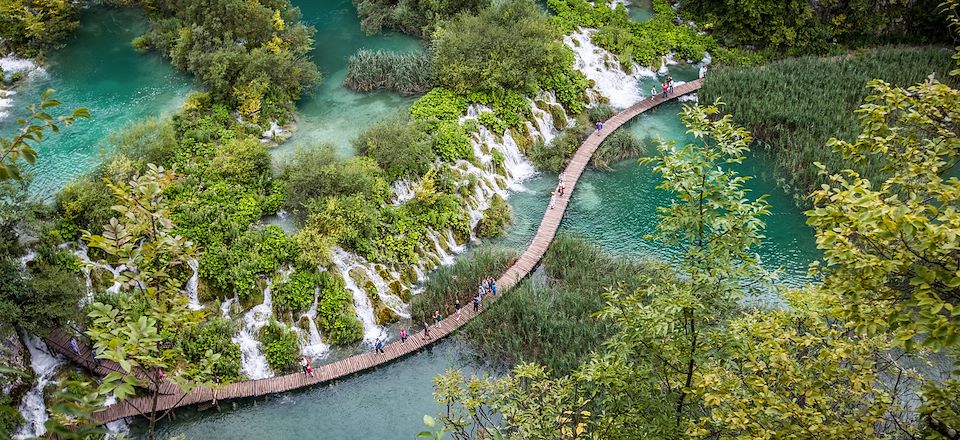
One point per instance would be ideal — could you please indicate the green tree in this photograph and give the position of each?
(890, 248)
(139, 328)
(27, 27)
(31, 132)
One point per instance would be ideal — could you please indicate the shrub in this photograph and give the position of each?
(621, 145)
(241, 162)
(440, 104)
(459, 281)
(495, 218)
(492, 122)
(450, 142)
(554, 157)
(318, 173)
(214, 336)
(335, 313)
(281, 346)
(10, 417)
(401, 148)
(406, 73)
(296, 294)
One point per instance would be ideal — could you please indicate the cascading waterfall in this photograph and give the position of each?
(403, 191)
(89, 266)
(344, 261)
(6, 101)
(10, 66)
(315, 347)
(253, 362)
(603, 67)
(192, 285)
(33, 408)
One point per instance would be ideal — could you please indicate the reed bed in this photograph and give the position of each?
(459, 281)
(549, 318)
(793, 107)
(404, 72)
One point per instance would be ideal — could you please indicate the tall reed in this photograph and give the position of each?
(795, 106)
(406, 73)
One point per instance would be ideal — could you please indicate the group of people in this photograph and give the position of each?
(561, 187)
(305, 366)
(667, 87)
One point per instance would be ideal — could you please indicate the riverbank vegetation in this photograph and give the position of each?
(405, 73)
(687, 359)
(795, 106)
(30, 27)
(417, 18)
(459, 282)
(548, 319)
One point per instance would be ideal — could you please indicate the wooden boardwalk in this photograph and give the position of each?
(355, 364)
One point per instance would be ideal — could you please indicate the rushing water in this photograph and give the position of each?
(97, 69)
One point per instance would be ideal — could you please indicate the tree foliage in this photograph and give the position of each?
(28, 27)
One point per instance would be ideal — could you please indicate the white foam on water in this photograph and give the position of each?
(117, 428)
(192, 285)
(89, 266)
(604, 69)
(403, 190)
(344, 261)
(253, 363)
(314, 347)
(33, 407)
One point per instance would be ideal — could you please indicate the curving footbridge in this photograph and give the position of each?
(361, 362)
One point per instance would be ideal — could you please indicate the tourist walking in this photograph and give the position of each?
(663, 87)
(437, 318)
(703, 72)
(670, 85)
(74, 345)
(476, 304)
(457, 306)
(303, 365)
(379, 346)
(653, 91)
(493, 286)
(553, 199)
(403, 334)
(560, 188)
(309, 367)
(426, 331)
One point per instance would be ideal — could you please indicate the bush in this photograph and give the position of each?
(401, 148)
(40, 303)
(459, 281)
(241, 162)
(10, 417)
(492, 122)
(335, 313)
(450, 142)
(214, 336)
(235, 268)
(439, 104)
(296, 294)
(554, 157)
(495, 218)
(281, 346)
(318, 173)
(406, 73)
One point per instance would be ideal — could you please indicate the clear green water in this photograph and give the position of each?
(386, 403)
(335, 114)
(640, 10)
(98, 69)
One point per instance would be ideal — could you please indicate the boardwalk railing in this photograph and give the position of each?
(354, 364)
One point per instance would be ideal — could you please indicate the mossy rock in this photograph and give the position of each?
(559, 117)
(385, 315)
(408, 275)
(371, 290)
(405, 294)
(542, 105)
(396, 287)
(384, 272)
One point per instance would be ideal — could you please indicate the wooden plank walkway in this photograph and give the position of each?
(354, 364)
(59, 341)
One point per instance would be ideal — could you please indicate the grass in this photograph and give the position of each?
(406, 73)
(549, 319)
(459, 281)
(795, 106)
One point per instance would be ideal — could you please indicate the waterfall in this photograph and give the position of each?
(33, 408)
(344, 261)
(604, 69)
(314, 346)
(26, 259)
(226, 305)
(253, 362)
(118, 428)
(403, 191)
(89, 266)
(192, 285)
(6, 101)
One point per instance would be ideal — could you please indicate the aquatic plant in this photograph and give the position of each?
(404, 72)
(459, 281)
(495, 219)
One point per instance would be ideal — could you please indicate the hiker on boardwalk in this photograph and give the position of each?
(599, 125)
(437, 318)
(476, 303)
(457, 306)
(303, 365)
(663, 87)
(560, 188)
(493, 286)
(309, 367)
(670, 85)
(703, 72)
(484, 286)
(426, 331)
(403, 334)
(553, 199)
(379, 346)
(74, 345)
(653, 92)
